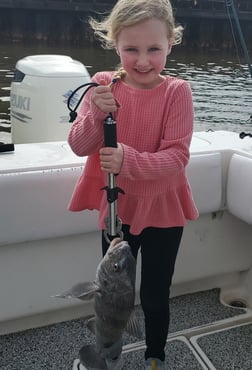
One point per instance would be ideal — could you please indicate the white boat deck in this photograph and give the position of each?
(204, 334)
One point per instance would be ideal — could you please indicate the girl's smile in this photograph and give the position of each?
(143, 49)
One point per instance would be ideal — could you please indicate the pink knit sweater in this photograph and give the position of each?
(155, 128)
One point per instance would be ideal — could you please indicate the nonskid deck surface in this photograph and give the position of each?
(227, 349)
(180, 354)
(55, 347)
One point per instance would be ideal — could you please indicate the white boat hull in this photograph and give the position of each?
(45, 249)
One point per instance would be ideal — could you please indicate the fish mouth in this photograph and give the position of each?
(116, 243)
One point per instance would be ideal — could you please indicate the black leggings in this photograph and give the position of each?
(159, 248)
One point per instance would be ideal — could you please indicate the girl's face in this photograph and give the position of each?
(143, 49)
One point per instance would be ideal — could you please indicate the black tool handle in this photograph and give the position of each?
(110, 138)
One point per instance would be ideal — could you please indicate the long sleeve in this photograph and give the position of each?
(86, 134)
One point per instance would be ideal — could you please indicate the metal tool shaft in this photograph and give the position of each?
(113, 223)
(112, 208)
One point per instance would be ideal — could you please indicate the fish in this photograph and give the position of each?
(113, 292)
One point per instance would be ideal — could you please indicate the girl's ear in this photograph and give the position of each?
(117, 51)
(169, 48)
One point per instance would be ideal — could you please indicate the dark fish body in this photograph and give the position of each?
(114, 295)
(114, 301)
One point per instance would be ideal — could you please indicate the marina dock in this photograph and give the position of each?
(183, 8)
(207, 23)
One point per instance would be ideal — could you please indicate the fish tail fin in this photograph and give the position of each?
(89, 357)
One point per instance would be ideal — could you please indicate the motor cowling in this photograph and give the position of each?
(39, 92)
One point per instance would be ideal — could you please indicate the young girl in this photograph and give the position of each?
(154, 115)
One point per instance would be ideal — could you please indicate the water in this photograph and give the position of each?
(222, 87)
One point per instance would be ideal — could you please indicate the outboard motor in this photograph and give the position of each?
(39, 93)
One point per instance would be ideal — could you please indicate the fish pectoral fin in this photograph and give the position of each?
(90, 358)
(83, 291)
(91, 325)
(133, 327)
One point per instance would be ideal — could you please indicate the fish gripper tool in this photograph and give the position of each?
(113, 223)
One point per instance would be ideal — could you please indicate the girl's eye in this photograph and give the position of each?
(131, 50)
(153, 49)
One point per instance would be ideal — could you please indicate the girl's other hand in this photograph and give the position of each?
(104, 99)
(111, 159)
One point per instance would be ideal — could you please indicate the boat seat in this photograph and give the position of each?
(46, 216)
(205, 177)
(239, 187)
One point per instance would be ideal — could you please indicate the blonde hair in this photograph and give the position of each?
(130, 12)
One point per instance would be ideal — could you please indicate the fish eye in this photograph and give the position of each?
(116, 266)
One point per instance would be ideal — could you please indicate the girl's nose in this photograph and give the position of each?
(142, 60)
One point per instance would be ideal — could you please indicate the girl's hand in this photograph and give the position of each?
(104, 99)
(111, 159)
